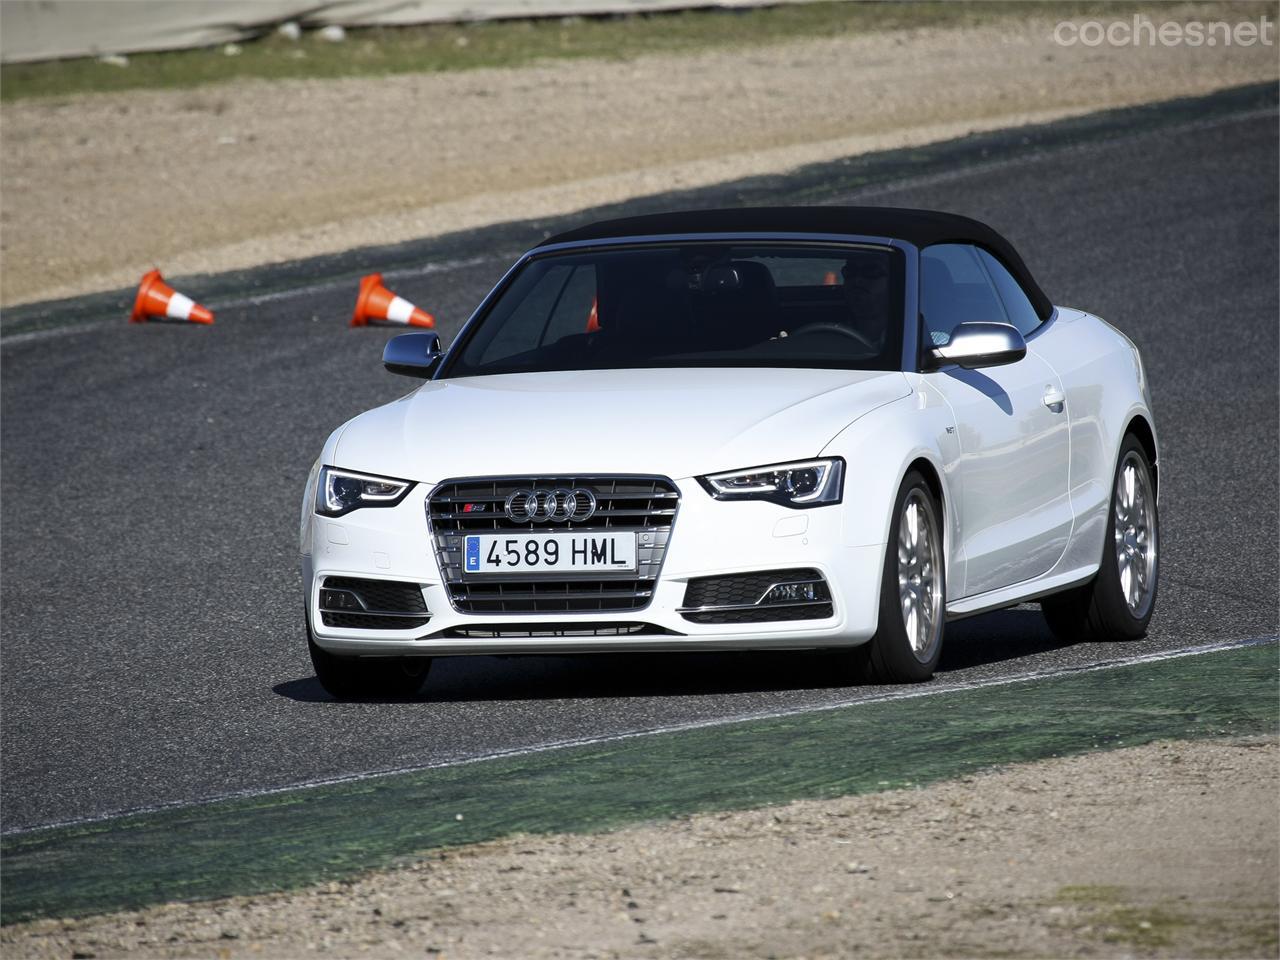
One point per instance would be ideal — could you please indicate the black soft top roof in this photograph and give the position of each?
(919, 227)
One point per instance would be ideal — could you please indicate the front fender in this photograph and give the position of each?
(880, 448)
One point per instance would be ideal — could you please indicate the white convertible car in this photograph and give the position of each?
(754, 429)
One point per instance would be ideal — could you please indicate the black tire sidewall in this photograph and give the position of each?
(366, 678)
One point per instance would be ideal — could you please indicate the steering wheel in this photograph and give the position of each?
(827, 327)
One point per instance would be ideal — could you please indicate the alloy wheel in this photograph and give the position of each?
(920, 575)
(1135, 534)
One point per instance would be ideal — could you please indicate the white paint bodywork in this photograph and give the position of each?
(1025, 482)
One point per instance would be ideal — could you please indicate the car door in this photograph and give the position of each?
(1011, 422)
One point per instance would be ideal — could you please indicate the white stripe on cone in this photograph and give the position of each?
(400, 310)
(179, 307)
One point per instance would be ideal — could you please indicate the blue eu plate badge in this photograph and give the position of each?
(473, 555)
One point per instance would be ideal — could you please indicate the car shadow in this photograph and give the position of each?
(997, 637)
(603, 676)
(984, 385)
(976, 642)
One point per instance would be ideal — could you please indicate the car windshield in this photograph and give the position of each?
(693, 305)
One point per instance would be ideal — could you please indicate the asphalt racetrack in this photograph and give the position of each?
(153, 649)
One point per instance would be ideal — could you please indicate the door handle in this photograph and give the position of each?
(1054, 399)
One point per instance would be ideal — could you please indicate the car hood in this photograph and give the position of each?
(678, 423)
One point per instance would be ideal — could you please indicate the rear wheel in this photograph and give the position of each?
(1117, 603)
(364, 678)
(913, 591)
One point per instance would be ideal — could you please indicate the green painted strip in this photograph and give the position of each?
(290, 839)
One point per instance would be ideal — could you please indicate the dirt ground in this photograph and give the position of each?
(94, 190)
(1168, 850)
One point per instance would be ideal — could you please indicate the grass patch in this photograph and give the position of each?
(1090, 894)
(1147, 927)
(430, 48)
(1192, 929)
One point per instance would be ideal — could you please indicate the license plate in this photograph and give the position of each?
(549, 553)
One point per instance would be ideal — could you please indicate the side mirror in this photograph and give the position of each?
(413, 354)
(980, 344)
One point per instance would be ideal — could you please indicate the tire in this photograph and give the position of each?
(367, 678)
(1118, 602)
(907, 644)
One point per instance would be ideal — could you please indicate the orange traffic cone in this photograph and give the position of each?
(593, 318)
(376, 302)
(830, 279)
(157, 299)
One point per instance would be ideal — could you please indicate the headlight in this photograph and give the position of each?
(341, 491)
(808, 484)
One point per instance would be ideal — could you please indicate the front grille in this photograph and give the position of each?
(736, 598)
(646, 505)
(383, 604)
(499, 631)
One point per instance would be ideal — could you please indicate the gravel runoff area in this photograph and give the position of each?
(96, 189)
(1168, 849)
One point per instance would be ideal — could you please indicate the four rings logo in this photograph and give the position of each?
(551, 506)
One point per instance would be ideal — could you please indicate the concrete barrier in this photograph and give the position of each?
(32, 30)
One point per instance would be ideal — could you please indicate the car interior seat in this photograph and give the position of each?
(736, 307)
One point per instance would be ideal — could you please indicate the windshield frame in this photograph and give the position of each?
(908, 359)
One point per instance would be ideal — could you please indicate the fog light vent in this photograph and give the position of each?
(372, 604)
(792, 592)
(766, 596)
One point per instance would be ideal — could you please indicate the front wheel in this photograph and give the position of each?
(913, 592)
(367, 678)
(1117, 603)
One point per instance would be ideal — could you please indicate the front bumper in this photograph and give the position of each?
(709, 538)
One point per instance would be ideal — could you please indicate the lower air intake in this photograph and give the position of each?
(360, 604)
(501, 631)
